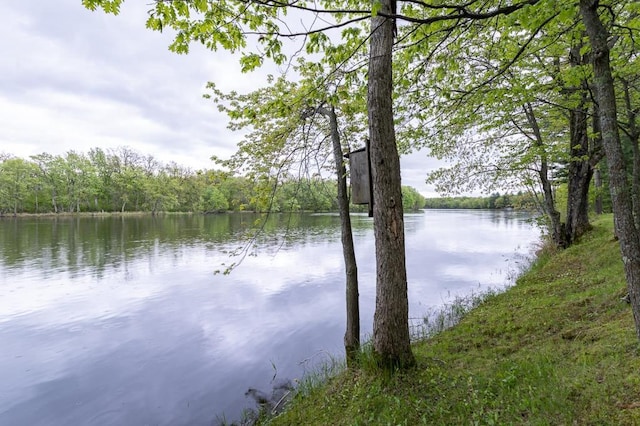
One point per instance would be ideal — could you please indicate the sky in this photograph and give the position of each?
(72, 79)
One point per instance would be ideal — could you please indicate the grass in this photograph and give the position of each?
(558, 348)
(451, 313)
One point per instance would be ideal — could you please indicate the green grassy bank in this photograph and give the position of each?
(558, 348)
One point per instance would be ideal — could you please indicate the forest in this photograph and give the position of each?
(123, 180)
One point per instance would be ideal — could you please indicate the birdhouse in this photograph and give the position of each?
(360, 174)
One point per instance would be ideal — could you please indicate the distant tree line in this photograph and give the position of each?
(599, 199)
(520, 201)
(122, 180)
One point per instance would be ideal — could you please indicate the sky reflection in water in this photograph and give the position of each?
(122, 320)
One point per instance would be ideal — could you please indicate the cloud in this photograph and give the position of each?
(76, 79)
(72, 79)
(414, 169)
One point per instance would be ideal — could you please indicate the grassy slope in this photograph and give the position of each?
(557, 348)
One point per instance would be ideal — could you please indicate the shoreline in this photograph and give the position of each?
(558, 347)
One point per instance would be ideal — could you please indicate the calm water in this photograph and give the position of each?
(122, 321)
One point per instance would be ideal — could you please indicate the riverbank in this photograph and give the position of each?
(160, 213)
(557, 348)
(79, 214)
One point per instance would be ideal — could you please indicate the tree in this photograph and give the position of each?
(160, 192)
(391, 340)
(622, 206)
(213, 200)
(585, 151)
(15, 174)
(412, 199)
(625, 60)
(287, 138)
(508, 108)
(105, 166)
(80, 181)
(352, 333)
(51, 175)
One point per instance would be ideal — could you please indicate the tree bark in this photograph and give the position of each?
(352, 332)
(634, 135)
(580, 173)
(583, 155)
(597, 182)
(619, 185)
(391, 340)
(556, 226)
(595, 161)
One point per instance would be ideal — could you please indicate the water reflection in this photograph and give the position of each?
(122, 321)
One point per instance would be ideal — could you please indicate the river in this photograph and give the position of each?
(123, 320)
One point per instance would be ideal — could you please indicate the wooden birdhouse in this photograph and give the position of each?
(360, 175)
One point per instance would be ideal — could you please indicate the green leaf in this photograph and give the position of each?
(250, 62)
(375, 7)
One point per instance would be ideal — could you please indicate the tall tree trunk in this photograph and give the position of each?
(597, 182)
(596, 160)
(620, 197)
(580, 173)
(635, 193)
(634, 134)
(556, 227)
(391, 341)
(352, 332)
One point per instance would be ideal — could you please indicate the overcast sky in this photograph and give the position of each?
(72, 79)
